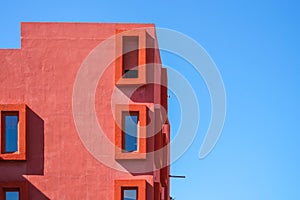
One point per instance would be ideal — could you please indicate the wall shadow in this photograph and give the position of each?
(35, 144)
(34, 163)
(140, 94)
(14, 171)
(35, 193)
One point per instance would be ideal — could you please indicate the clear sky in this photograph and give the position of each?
(256, 46)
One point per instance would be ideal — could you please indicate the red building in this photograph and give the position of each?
(84, 114)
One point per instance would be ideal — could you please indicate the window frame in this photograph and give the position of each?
(129, 188)
(141, 131)
(126, 53)
(20, 186)
(139, 184)
(141, 68)
(124, 115)
(21, 153)
(4, 114)
(5, 190)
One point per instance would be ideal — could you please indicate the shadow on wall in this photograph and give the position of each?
(34, 164)
(14, 171)
(35, 193)
(139, 94)
(35, 144)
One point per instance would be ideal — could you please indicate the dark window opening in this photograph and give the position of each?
(130, 131)
(130, 73)
(10, 126)
(130, 56)
(130, 193)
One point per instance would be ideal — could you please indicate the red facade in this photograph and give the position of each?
(77, 90)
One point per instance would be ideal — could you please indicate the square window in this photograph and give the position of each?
(10, 132)
(12, 194)
(13, 132)
(129, 193)
(130, 131)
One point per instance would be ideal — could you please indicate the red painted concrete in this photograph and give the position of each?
(41, 75)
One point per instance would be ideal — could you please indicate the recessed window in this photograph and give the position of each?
(10, 127)
(13, 131)
(130, 54)
(130, 189)
(129, 193)
(130, 131)
(131, 64)
(12, 194)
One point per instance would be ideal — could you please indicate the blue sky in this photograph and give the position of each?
(255, 45)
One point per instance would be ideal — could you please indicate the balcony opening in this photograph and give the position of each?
(130, 60)
(10, 131)
(130, 131)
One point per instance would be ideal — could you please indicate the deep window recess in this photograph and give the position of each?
(129, 193)
(10, 121)
(130, 56)
(12, 194)
(130, 131)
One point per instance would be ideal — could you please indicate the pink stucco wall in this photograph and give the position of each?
(41, 74)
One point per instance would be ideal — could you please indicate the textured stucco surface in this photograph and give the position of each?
(41, 74)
